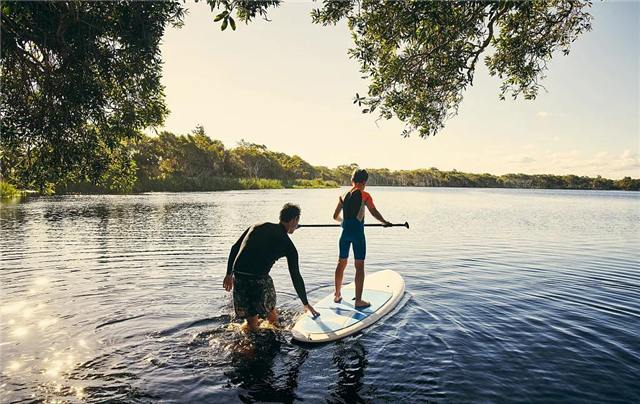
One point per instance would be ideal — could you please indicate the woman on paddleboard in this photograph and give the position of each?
(352, 204)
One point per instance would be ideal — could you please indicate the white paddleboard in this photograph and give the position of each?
(382, 289)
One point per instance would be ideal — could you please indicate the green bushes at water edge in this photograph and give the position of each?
(316, 183)
(8, 191)
(172, 184)
(177, 184)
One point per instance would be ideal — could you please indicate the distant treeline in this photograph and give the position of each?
(195, 162)
(433, 177)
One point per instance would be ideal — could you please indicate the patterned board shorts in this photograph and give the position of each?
(253, 296)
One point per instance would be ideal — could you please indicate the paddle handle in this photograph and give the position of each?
(405, 224)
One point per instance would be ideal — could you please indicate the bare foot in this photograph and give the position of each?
(250, 324)
(247, 328)
(362, 304)
(337, 298)
(273, 319)
(270, 323)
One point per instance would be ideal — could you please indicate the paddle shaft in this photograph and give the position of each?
(405, 224)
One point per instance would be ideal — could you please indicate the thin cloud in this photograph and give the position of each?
(546, 114)
(580, 163)
(627, 161)
(566, 159)
(523, 160)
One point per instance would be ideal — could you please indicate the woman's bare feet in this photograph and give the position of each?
(361, 304)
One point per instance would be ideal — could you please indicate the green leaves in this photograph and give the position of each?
(245, 10)
(420, 56)
(77, 94)
(81, 80)
(358, 100)
(226, 18)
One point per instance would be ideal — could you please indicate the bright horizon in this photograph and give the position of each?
(289, 84)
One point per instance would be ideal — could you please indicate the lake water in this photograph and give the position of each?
(511, 296)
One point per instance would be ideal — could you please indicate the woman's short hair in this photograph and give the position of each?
(359, 175)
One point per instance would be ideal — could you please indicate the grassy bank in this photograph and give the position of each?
(8, 191)
(310, 184)
(203, 184)
(226, 184)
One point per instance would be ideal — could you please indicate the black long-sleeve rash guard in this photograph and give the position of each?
(259, 247)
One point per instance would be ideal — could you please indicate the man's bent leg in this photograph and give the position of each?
(360, 284)
(342, 264)
(242, 302)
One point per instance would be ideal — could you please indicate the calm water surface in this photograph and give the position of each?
(512, 296)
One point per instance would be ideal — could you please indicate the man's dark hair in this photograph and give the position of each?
(359, 175)
(289, 211)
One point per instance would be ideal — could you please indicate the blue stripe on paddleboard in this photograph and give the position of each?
(336, 316)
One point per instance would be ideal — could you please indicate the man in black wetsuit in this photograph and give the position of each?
(250, 261)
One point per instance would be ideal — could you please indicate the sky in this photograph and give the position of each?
(289, 84)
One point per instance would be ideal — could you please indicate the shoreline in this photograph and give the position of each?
(32, 194)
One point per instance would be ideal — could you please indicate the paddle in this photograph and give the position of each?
(405, 224)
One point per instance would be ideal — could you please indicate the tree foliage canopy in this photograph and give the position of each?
(420, 56)
(80, 80)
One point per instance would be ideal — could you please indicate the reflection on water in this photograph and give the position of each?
(27, 325)
(266, 371)
(350, 361)
(512, 295)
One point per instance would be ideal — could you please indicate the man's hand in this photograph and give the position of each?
(387, 224)
(227, 283)
(308, 307)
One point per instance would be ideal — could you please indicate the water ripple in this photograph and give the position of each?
(512, 296)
